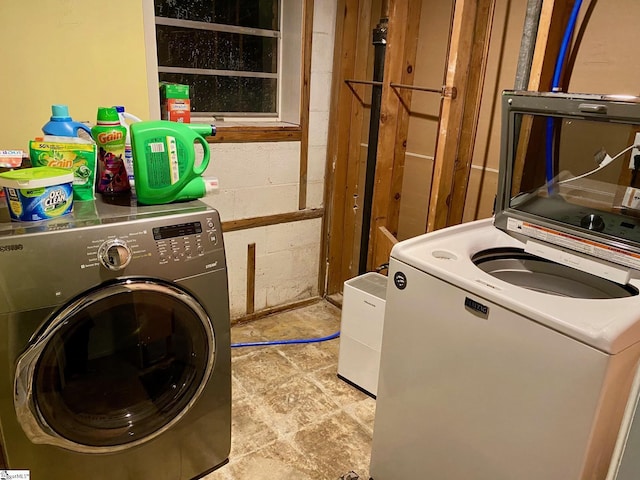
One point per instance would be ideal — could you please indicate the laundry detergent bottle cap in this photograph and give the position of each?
(125, 117)
(107, 116)
(61, 123)
(165, 162)
(198, 188)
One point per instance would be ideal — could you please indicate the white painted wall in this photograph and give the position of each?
(258, 179)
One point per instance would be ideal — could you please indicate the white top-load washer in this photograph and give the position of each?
(510, 344)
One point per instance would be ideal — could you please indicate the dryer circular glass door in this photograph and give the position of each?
(116, 367)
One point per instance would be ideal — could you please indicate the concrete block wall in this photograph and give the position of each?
(262, 178)
(256, 179)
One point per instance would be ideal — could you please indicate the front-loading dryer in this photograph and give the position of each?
(114, 343)
(510, 344)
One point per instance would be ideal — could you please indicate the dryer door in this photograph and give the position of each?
(116, 367)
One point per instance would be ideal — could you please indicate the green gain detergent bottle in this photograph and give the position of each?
(164, 161)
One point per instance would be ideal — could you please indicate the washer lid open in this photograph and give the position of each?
(568, 174)
(517, 267)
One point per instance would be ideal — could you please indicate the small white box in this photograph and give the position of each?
(362, 319)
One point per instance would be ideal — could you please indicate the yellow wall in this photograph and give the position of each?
(82, 53)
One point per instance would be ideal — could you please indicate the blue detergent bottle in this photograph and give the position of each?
(61, 123)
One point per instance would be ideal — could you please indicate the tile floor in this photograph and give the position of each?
(292, 416)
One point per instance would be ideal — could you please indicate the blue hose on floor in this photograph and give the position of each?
(555, 86)
(286, 342)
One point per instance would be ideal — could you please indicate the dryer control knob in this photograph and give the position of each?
(114, 254)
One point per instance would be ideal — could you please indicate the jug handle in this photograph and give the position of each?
(199, 170)
(82, 126)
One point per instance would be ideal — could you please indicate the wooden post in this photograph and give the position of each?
(306, 99)
(471, 109)
(404, 18)
(467, 20)
(385, 241)
(343, 146)
(400, 147)
(251, 277)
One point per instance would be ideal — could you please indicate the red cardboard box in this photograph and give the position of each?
(175, 102)
(177, 110)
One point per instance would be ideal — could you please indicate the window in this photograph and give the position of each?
(237, 56)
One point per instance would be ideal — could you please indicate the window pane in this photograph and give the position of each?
(245, 13)
(218, 94)
(200, 46)
(190, 48)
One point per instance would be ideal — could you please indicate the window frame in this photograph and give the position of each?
(291, 68)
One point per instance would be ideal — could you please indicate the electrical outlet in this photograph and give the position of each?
(631, 198)
(635, 151)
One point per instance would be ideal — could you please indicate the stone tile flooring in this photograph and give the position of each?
(293, 418)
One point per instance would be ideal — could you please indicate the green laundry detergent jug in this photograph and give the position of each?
(164, 161)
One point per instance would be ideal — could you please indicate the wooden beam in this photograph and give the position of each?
(338, 140)
(459, 57)
(359, 122)
(341, 117)
(471, 110)
(335, 180)
(384, 243)
(402, 19)
(251, 277)
(278, 218)
(273, 310)
(254, 133)
(553, 20)
(402, 129)
(305, 102)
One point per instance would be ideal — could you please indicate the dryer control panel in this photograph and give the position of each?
(185, 241)
(56, 261)
(183, 245)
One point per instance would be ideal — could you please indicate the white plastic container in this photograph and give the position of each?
(362, 320)
(39, 193)
(126, 119)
